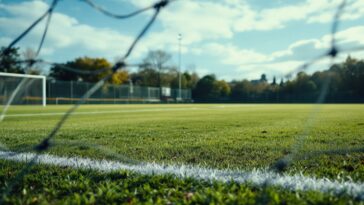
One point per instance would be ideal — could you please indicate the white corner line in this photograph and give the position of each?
(257, 177)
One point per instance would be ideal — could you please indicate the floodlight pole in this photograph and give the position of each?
(179, 67)
(44, 90)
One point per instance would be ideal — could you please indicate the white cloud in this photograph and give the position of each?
(202, 71)
(353, 10)
(206, 20)
(65, 32)
(303, 50)
(351, 36)
(232, 55)
(251, 64)
(278, 69)
(215, 20)
(310, 48)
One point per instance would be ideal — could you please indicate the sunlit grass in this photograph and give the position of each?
(218, 136)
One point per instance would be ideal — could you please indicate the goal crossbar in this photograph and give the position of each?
(42, 77)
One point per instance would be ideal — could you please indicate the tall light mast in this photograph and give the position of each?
(179, 67)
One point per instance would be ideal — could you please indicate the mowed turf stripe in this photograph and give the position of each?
(123, 111)
(104, 112)
(256, 177)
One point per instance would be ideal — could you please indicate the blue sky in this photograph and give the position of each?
(234, 39)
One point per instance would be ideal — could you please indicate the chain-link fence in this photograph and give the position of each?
(32, 92)
(68, 92)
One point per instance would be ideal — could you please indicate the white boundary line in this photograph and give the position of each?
(256, 177)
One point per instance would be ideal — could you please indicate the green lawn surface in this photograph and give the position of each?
(323, 140)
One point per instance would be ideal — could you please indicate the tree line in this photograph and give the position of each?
(343, 82)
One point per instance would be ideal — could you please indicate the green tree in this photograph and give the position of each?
(146, 77)
(188, 80)
(274, 81)
(281, 84)
(82, 64)
(263, 78)
(222, 89)
(191, 79)
(120, 77)
(208, 88)
(241, 90)
(205, 88)
(353, 70)
(304, 84)
(9, 60)
(174, 79)
(156, 60)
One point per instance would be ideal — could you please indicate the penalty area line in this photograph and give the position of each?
(257, 177)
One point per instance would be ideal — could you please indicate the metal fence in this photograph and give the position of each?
(32, 92)
(68, 92)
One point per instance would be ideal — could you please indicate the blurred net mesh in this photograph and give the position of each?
(10, 85)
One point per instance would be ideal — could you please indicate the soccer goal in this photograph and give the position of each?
(22, 88)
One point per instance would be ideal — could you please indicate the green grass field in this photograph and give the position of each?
(324, 141)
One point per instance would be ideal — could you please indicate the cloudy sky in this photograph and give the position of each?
(234, 39)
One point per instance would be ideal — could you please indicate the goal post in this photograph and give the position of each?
(40, 77)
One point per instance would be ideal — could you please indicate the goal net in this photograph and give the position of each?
(22, 89)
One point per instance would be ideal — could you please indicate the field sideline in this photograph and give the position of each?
(325, 140)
